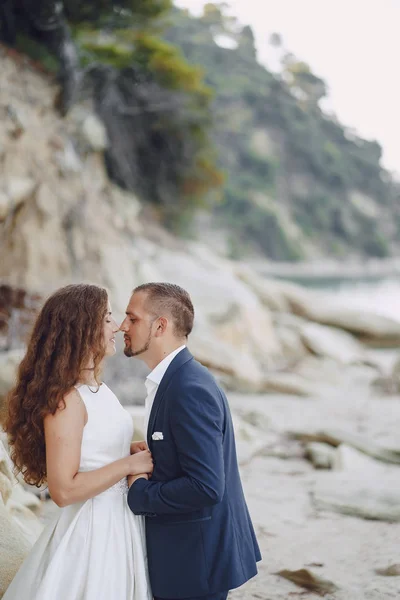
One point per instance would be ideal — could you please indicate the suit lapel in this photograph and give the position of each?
(180, 359)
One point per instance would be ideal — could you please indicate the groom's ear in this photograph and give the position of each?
(161, 326)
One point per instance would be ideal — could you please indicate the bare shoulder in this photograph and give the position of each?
(72, 406)
(73, 398)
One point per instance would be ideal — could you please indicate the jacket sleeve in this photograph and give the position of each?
(197, 425)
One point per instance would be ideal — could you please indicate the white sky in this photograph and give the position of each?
(354, 45)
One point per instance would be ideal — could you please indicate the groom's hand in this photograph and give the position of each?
(138, 447)
(132, 478)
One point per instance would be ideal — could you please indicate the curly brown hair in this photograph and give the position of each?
(67, 337)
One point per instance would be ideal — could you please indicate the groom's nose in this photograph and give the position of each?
(122, 327)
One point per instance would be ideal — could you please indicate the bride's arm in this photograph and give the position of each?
(63, 436)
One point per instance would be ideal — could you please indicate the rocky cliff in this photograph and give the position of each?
(62, 220)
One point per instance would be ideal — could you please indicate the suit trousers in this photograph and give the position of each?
(220, 596)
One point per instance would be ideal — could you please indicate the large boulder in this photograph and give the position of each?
(322, 307)
(331, 342)
(370, 327)
(293, 347)
(20, 496)
(322, 456)
(360, 495)
(19, 189)
(19, 527)
(270, 292)
(26, 520)
(235, 370)
(13, 548)
(336, 437)
(347, 458)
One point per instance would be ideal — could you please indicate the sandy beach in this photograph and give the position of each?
(292, 534)
(246, 189)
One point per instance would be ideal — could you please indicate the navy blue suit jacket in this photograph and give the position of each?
(200, 539)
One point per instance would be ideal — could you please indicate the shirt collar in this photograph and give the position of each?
(159, 371)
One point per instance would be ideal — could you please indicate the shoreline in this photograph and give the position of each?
(327, 271)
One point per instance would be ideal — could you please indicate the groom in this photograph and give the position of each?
(200, 539)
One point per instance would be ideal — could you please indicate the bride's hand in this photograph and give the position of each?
(140, 462)
(138, 447)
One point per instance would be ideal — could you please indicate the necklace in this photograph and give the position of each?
(94, 391)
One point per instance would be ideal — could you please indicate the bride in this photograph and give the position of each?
(67, 428)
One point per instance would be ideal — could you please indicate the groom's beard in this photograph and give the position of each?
(131, 353)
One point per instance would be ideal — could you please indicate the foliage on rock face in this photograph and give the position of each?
(155, 105)
(166, 109)
(276, 143)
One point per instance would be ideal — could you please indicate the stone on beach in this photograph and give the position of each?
(306, 579)
(391, 571)
(335, 437)
(369, 326)
(347, 458)
(322, 456)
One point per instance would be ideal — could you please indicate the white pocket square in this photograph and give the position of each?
(157, 435)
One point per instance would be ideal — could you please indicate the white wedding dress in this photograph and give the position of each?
(93, 550)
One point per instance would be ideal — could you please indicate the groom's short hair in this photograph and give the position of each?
(169, 298)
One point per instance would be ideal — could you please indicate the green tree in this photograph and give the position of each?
(302, 81)
(246, 42)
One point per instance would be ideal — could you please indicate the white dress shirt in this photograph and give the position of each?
(152, 382)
